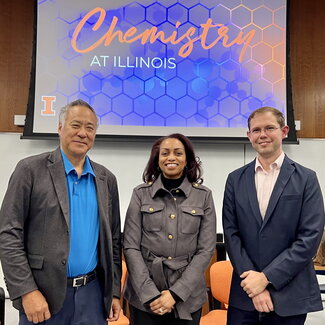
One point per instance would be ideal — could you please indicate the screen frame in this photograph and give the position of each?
(28, 132)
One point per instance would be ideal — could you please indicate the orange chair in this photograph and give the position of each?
(123, 320)
(220, 276)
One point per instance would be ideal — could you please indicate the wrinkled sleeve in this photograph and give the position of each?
(237, 253)
(138, 272)
(311, 226)
(116, 238)
(13, 215)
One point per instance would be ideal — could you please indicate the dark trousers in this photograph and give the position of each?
(242, 317)
(82, 306)
(139, 317)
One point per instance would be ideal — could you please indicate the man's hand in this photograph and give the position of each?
(115, 310)
(263, 302)
(35, 307)
(254, 282)
(164, 304)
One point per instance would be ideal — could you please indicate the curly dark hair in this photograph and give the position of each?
(192, 170)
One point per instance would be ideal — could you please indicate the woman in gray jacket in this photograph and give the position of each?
(169, 237)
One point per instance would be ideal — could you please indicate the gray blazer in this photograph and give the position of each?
(169, 239)
(34, 231)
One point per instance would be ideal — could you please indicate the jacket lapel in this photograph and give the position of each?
(285, 173)
(251, 190)
(102, 190)
(56, 169)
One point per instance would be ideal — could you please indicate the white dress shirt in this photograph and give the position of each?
(265, 181)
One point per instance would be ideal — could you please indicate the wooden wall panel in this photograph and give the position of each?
(307, 34)
(307, 40)
(16, 37)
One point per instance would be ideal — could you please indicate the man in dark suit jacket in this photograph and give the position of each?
(273, 219)
(60, 231)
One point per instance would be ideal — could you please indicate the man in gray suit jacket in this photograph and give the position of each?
(273, 219)
(60, 231)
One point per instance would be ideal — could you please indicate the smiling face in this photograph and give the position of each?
(172, 158)
(77, 134)
(266, 135)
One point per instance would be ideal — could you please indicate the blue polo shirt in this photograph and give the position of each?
(84, 218)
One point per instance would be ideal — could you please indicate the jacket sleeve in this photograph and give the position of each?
(206, 244)
(309, 232)
(138, 272)
(116, 237)
(237, 253)
(13, 215)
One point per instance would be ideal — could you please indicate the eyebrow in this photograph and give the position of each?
(172, 148)
(80, 122)
(266, 126)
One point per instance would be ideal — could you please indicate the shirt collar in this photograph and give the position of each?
(275, 165)
(68, 167)
(185, 187)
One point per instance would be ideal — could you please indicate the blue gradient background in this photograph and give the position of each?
(210, 88)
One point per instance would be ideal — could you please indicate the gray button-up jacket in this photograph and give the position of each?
(169, 238)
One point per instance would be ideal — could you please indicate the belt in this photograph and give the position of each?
(81, 280)
(158, 276)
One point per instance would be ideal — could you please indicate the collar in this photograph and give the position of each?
(275, 165)
(185, 187)
(68, 167)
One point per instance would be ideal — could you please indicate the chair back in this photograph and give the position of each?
(220, 275)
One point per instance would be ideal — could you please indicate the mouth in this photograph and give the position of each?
(171, 165)
(80, 142)
(264, 143)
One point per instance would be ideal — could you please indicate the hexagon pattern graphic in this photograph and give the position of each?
(151, 84)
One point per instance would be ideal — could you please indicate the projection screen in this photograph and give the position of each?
(150, 68)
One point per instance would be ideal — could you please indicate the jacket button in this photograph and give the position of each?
(174, 198)
(172, 216)
(193, 211)
(64, 262)
(151, 209)
(170, 236)
(177, 191)
(169, 258)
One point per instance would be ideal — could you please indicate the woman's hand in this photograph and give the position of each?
(164, 304)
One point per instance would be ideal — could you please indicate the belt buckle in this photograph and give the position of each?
(82, 283)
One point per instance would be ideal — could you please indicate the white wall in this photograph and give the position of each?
(128, 159)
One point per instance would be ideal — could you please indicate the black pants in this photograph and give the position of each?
(242, 317)
(139, 317)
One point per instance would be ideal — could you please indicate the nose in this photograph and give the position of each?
(82, 133)
(171, 157)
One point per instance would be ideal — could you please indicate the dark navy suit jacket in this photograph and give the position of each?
(283, 244)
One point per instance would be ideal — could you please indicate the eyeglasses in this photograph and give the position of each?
(267, 130)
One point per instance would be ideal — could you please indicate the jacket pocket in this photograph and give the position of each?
(290, 197)
(152, 216)
(191, 219)
(35, 261)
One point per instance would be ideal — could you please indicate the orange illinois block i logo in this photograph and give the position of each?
(48, 106)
